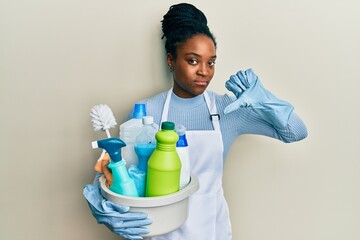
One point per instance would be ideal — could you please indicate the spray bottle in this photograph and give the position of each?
(122, 183)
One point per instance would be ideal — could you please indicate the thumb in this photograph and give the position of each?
(117, 207)
(232, 106)
(242, 101)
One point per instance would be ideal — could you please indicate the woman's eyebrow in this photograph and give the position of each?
(192, 53)
(198, 55)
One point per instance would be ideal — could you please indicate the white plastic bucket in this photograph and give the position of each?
(166, 212)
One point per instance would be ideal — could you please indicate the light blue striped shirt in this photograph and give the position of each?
(194, 115)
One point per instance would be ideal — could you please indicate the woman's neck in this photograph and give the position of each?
(187, 102)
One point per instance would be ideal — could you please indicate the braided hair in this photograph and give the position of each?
(180, 23)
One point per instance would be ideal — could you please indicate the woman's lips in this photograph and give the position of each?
(201, 83)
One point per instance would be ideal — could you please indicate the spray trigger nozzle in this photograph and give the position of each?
(112, 146)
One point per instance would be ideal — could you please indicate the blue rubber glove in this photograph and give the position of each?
(251, 93)
(116, 217)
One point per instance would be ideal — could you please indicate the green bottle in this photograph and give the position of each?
(164, 165)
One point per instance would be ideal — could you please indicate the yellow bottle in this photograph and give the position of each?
(164, 165)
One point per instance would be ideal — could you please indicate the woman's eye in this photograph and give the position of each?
(193, 61)
(211, 63)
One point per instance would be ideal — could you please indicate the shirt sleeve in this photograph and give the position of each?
(246, 121)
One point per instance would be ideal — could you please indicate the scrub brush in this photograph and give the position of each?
(102, 118)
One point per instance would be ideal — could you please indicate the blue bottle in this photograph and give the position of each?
(145, 142)
(122, 183)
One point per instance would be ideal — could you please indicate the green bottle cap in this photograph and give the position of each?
(167, 126)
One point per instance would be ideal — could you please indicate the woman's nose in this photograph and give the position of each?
(202, 70)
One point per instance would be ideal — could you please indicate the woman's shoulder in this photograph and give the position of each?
(160, 97)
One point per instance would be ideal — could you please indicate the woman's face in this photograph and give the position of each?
(194, 66)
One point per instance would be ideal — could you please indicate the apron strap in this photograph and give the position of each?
(165, 111)
(214, 116)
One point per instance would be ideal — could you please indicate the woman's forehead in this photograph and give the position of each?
(200, 45)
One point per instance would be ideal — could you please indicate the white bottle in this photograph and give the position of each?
(182, 149)
(128, 132)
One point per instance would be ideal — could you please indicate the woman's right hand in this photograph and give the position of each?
(117, 218)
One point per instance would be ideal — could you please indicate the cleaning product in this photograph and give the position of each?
(145, 142)
(122, 183)
(182, 149)
(163, 174)
(128, 132)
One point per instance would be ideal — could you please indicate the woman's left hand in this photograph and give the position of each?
(251, 93)
(247, 88)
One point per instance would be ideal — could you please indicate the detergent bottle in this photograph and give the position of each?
(145, 142)
(163, 174)
(128, 132)
(182, 149)
(122, 183)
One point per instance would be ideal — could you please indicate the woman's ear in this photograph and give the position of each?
(170, 61)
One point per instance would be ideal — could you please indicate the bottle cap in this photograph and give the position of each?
(167, 126)
(148, 120)
(180, 130)
(139, 110)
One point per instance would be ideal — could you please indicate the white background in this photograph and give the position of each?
(59, 58)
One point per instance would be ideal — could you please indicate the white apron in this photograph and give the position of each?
(208, 215)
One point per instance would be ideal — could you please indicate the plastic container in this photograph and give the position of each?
(182, 149)
(164, 165)
(166, 212)
(128, 132)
